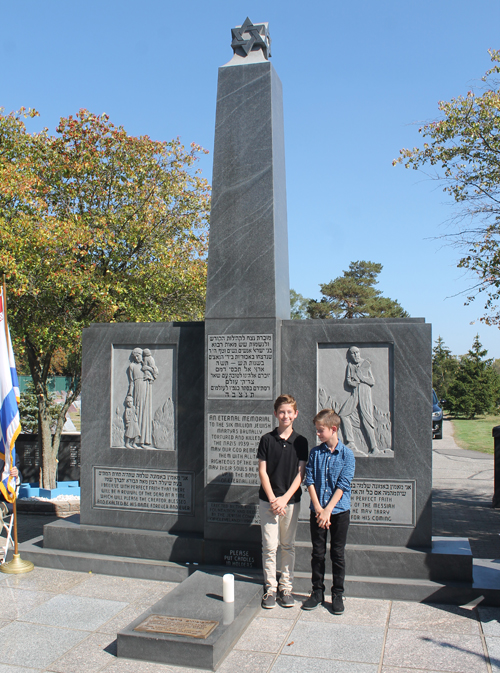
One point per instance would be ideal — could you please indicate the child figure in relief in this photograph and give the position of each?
(132, 431)
(149, 366)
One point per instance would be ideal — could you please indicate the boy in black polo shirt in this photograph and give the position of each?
(282, 456)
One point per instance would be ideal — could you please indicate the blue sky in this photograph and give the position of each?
(357, 79)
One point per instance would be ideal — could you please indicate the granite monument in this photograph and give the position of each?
(172, 412)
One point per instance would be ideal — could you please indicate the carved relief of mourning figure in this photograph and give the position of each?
(141, 376)
(132, 430)
(359, 379)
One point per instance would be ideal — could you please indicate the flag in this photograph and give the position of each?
(10, 425)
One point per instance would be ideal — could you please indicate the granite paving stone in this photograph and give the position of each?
(455, 652)
(490, 620)
(36, 645)
(89, 656)
(358, 611)
(75, 612)
(126, 589)
(493, 646)
(392, 669)
(46, 579)
(287, 664)
(243, 661)
(14, 604)
(336, 641)
(8, 668)
(433, 618)
(136, 666)
(264, 635)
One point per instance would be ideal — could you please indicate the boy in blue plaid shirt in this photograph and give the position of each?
(329, 472)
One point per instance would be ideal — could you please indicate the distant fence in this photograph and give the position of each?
(55, 384)
(68, 468)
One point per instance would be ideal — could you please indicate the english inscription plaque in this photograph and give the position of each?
(232, 446)
(239, 558)
(143, 490)
(240, 366)
(383, 502)
(233, 513)
(177, 626)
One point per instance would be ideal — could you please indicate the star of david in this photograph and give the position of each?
(258, 37)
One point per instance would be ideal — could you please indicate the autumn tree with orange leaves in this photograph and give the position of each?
(95, 226)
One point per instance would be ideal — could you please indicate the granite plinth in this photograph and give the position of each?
(199, 597)
(248, 253)
(408, 343)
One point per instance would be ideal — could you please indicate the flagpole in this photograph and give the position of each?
(17, 565)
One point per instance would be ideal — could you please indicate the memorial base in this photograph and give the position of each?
(198, 598)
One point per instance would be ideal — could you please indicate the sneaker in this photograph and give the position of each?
(269, 599)
(316, 598)
(286, 599)
(337, 604)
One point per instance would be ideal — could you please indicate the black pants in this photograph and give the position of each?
(339, 524)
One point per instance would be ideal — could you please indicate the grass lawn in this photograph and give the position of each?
(475, 434)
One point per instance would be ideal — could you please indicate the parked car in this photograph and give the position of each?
(437, 417)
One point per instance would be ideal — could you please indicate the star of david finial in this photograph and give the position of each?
(249, 37)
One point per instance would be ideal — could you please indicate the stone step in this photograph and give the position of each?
(450, 560)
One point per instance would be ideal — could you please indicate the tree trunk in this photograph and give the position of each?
(49, 456)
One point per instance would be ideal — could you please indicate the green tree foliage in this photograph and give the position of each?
(444, 369)
(95, 226)
(28, 409)
(353, 295)
(463, 151)
(298, 306)
(475, 388)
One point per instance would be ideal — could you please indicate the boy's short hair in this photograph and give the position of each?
(327, 417)
(285, 399)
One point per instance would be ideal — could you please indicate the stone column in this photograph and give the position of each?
(247, 293)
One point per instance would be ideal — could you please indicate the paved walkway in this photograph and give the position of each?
(66, 622)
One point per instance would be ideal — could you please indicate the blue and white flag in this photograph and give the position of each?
(10, 426)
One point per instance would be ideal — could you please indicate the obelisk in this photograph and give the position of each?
(247, 291)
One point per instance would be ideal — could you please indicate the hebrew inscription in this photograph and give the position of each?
(357, 383)
(232, 445)
(143, 398)
(382, 502)
(143, 490)
(240, 366)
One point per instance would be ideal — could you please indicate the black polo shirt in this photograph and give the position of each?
(282, 458)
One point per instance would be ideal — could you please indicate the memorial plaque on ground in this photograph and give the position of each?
(232, 442)
(387, 502)
(143, 490)
(240, 366)
(177, 626)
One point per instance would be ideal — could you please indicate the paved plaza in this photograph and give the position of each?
(66, 622)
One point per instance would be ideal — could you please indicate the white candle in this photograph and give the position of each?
(228, 588)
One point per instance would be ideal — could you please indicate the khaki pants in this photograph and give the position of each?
(278, 530)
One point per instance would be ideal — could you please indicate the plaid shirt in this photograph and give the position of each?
(327, 471)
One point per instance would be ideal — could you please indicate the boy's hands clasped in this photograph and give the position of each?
(278, 505)
(323, 517)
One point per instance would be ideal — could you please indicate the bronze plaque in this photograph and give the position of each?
(177, 626)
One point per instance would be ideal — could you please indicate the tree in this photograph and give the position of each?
(444, 368)
(475, 388)
(298, 306)
(464, 153)
(353, 295)
(95, 226)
